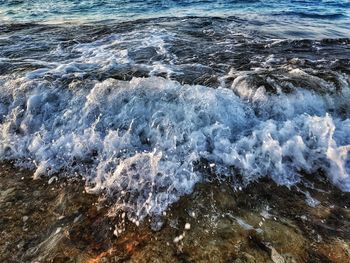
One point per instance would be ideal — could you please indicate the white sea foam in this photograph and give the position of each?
(140, 140)
(137, 48)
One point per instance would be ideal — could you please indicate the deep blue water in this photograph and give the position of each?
(128, 9)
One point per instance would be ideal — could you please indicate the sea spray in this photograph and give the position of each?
(139, 140)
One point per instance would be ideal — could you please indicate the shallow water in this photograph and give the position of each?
(145, 100)
(57, 221)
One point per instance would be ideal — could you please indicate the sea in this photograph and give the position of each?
(145, 99)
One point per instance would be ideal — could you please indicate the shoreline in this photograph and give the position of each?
(263, 222)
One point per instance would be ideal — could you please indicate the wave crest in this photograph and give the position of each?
(141, 141)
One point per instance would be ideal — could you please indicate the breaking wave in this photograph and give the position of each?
(143, 141)
(145, 109)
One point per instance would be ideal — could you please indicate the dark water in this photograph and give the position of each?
(145, 99)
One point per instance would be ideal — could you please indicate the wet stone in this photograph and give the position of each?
(213, 224)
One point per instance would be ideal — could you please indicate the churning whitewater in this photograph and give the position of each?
(144, 107)
(142, 140)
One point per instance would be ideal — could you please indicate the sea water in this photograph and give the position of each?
(144, 99)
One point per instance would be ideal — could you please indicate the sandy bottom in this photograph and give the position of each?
(59, 222)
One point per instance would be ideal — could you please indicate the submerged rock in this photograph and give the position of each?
(260, 223)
